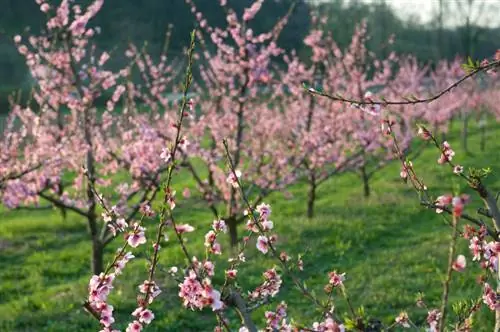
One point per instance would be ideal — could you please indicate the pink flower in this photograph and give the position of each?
(17, 39)
(476, 247)
(270, 287)
(458, 204)
(136, 237)
(267, 225)
(186, 228)
(216, 303)
(433, 319)
(44, 7)
(404, 170)
(458, 169)
(403, 320)
(104, 58)
(146, 210)
(121, 223)
(166, 155)
(459, 264)
(262, 244)
(135, 326)
(183, 143)
(336, 279)
(210, 238)
(424, 133)
(443, 201)
(219, 226)
(107, 320)
(154, 290)
(264, 210)
(120, 263)
(252, 11)
(231, 274)
(490, 297)
(232, 179)
(146, 316)
(209, 268)
(446, 154)
(186, 193)
(171, 199)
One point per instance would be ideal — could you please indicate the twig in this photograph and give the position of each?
(409, 101)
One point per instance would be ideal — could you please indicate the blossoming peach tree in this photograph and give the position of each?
(235, 98)
(69, 153)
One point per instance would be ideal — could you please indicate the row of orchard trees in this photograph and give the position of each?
(60, 150)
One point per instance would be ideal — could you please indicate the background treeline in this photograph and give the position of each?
(148, 20)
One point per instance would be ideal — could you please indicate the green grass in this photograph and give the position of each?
(389, 247)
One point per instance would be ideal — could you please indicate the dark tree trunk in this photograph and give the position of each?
(311, 198)
(482, 130)
(233, 231)
(97, 257)
(366, 181)
(64, 213)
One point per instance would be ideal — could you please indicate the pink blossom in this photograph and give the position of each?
(166, 155)
(476, 247)
(270, 287)
(232, 179)
(458, 169)
(219, 225)
(137, 236)
(460, 263)
(490, 297)
(44, 7)
(267, 225)
(146, 210)
(146, 316)
(135, 326)
(443, 201)
(446, 154)
(433, 317)
(231, 274)
(104, 58)
(185, 228)
(154, 290)
(209, 268)
(424, 133)
(263, 244)
(183, 143)
(250, 13)
(264, 210)
(336, 279)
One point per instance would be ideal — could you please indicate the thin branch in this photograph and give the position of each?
(61, 204)
(412, 101)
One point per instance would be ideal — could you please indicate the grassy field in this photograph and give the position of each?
(389, 247)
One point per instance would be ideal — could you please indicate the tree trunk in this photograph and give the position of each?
(233, 231)
(465, 131)
(482, 128)
(366, 181)
(63, 213)
(311, 198)
(97, 257)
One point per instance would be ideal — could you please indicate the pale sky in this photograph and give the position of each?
(483, 12)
